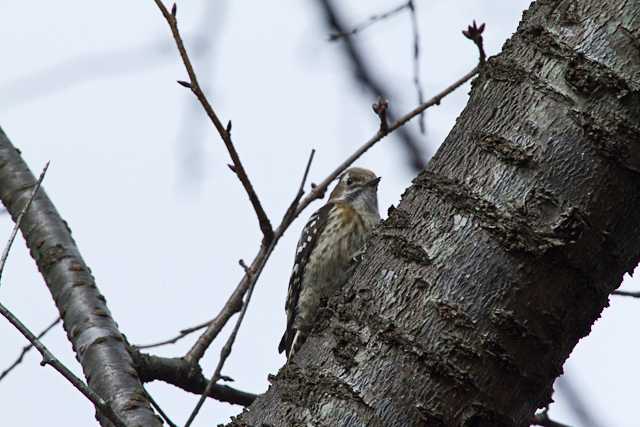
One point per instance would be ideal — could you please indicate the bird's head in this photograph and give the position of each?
(359, 187)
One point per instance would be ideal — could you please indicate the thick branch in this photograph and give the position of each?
(180, 373)
(16, 227)
(95, 337)
(49, 359)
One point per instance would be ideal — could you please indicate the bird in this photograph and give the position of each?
(333, 235)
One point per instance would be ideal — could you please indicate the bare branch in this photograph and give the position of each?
(151, 399)
(49, 359)
(416, 61)
(16, 227)
(98, 344)
(626, 294)
(225, 134)
(370, 21)
(252, 273)
(28, 348)
(363, 74)
(180, 373)
(182, 334)
(224, 353)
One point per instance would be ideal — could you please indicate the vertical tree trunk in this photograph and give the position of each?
(502, 253)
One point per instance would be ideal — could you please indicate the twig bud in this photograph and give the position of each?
(380, 108)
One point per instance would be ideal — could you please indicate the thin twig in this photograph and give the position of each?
(49, 359)
(576, 401)
(416, 61)
(474, 33)
(28, 348)
(363, 74)
(370, 21)
(224, 354)
(159, 409)
(182, 334)
(234, 303)
(626, 294)
(16, 227)
(182, 374)
(226, 349)
(224, 131)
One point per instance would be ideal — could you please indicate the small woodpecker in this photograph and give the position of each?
(328, 243)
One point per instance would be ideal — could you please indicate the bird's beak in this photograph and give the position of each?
(373, 183)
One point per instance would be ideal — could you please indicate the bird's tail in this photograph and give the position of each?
(285, 342)
(291, 342)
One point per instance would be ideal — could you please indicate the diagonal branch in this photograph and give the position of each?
(225, 132)
(16, 227)
(363, 74)
(182, 334)
(338, 34)
(226, 349)
(95, 337)
(28, 348)
(252, 272)
(49, 359)
(224, 354)
(626, 294)
(180, 373)
(416, 60)
(234, 303)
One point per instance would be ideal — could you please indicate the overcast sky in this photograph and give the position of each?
(141, 176)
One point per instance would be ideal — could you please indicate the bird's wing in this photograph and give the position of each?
(308, 239)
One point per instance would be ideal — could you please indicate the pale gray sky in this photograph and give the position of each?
(91, 87)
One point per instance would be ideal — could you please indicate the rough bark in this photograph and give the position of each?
(502, 253)
(98, 344)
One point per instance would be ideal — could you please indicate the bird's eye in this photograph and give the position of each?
(349, 181)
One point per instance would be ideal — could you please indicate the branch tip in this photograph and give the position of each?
(174, 10)
(244, 266)
(380, 108)
(474, 33)
(184, 84)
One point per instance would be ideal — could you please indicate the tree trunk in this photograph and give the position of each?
(502, 253)
(97, 342)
